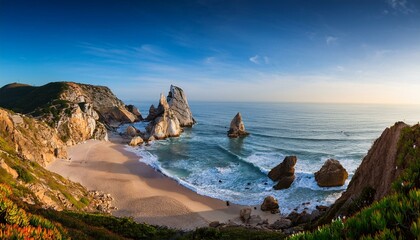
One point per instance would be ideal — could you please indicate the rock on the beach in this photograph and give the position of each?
(245, 214)
(131, 131)
(178, 103)
(237, 127)
(270, 204)
(331, 174)
(136, 141)
(166, 124)
(214, 224)
(284, 173)
(281, 223)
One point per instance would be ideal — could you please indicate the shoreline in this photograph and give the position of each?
(141, 192)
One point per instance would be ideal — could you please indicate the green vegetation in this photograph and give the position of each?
(394, 217)
(24, 174)
(25, 98)
(232, 233)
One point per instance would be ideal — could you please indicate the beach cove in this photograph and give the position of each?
(140, 191)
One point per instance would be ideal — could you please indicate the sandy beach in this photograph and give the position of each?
(140, 191)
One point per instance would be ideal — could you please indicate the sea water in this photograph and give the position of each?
(205, 160)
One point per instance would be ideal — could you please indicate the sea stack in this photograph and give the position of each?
(166, 124)
(331, 174)
(237, 127)
(177, 101)
(284, 173)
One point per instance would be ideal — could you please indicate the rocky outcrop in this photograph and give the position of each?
(245, 214)
(135, 141)
(8, 169)
(131, 131)
(78, 111)
(331, 174)
(284, 173)
(135, 111)
(376, 172)
(178, 103)
(237, 127)
(270, 204)
(165, 124)
(152, 114)
(111, 110)
(31, 139)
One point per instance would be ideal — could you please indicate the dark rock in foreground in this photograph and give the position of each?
(270, 204)
(284, 173)
(331, 174)
(237, 127)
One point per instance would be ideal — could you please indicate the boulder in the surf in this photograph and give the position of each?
(331, 174)
(237, 127)
(284, 173)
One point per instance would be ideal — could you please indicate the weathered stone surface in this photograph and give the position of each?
(166, 124)
(284, 173)
(331, 174)
(78, 111)
(42, 145)
(281, 223)
(135, 141)
(377, 171)
(214, 224)
(131, 131)
(237, 127)
(270, 204)
(135, 111)
(152, 113)
(8, 169)
(245, 214)
(178, 103)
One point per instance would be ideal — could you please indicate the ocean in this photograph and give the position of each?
(205, 160)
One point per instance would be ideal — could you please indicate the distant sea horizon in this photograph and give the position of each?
(205, 160)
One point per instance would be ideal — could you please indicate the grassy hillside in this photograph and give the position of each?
(25, 99)
(394, 217)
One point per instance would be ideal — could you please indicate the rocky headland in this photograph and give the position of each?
(78, 111)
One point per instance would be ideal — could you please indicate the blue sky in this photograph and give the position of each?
(298, 51)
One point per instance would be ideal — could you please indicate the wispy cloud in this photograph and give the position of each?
(259, 60)
(331, 40)
(255, 59)
(401, 6)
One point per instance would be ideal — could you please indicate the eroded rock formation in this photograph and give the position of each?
(78, 111)
(237, 127)
(331, 174)
(165, 124)
(178, 103)
(31, 139)
(284, 173)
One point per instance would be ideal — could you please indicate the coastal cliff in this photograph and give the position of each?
(33, 140)
(78, 111)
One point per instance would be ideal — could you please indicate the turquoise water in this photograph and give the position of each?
(206, 161)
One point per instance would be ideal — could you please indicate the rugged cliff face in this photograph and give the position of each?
(166, 123)
(178, 103)
(78, 111)
(31, 139)
(375, 175)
